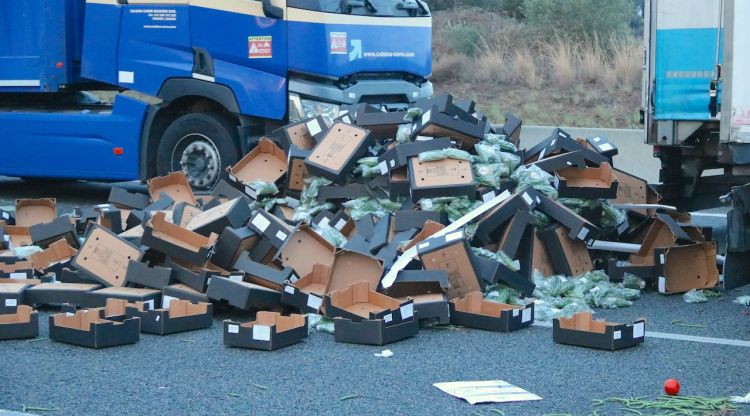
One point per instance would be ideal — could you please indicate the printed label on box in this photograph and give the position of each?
(11, 302)
(281, 235)
(314, 302)
(388, 318)
(454, 236)
(583, 233)
(236, 278)
(617, 335)
(314, 127)
(383, 167)
(662, 284)
(606, 147)
(261, 332)
(407, 311)
(426, 117)
(17, 275)
(261, 222)
(639, 330)
(6, 215)
(260, 47)
(157, 318)
(527, 198)
(515, 312)
(149, 304)
(289, 289)
(526, 315)
(233, 329)
(340, 224)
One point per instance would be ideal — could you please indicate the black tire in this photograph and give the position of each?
(198, 139)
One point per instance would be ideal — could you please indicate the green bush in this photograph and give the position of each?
(464, 39)
(580, 20)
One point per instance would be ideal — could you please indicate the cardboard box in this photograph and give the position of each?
(178, 316)
(7, 217)
(11, 296)
(367, 268)
(569, 257)
(267, 163)
(74, 276)
(344, 192)
(269, 331)
(493, 272)
(512, 234)
(305, 249)
(389, 253)
(105, 257)
(337, 153)
(382, 124)
(435, 123)
(380, 233)
(602, 146)
(405, 219)
(224, 191)
(398, 156)
(296, 170)
(18, 236)
(111, 217)
(427, 289)
(273, 229)
(682, 268)
(357, 301)
(562, 161)
(98, 298)
(191, 276)
(661, 233)
(616, 271)
(398, 184)
(175, 186)
(172, 240)
(35, 211)
(372, 331)
(234, 213)
(439, 178)
(581, 330)
(59, 293)
(86, 328)
(451, 253)
(22, 322)
(242, 295)
(263, 275)
(579, 227)
(512, 129)
(54, 258)
(303, 135)
(429, 228)
(45, 234)
(306, 294)
(141, 274)
(131, 200)
(183, 213)
(490, 223)
(231, 244)
(15, 268)
(181, 291)
(589, 183)
(472, 311)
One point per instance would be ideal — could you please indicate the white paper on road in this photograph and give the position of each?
(490, 391)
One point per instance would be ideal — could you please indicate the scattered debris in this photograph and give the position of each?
(384, 354)
(492, 391)
(743, 300)
(350, 397)
(683, 405)
(740, 399)
(679, 322)
(695, 296)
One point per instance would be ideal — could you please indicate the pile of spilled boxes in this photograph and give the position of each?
(160, 263)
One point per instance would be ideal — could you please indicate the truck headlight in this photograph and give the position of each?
(302, 108)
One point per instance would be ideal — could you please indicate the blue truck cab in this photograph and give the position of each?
(194, 81)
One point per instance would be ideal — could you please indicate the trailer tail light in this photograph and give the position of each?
(118, 151)
(657, 151)
(59, 65)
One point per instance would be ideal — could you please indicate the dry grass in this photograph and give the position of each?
(563, 63)
(525, 69)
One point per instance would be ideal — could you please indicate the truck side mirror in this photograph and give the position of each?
(271, 11)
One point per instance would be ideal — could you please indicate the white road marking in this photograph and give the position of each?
(679, 337)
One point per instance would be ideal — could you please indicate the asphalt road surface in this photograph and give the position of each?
(193, 373)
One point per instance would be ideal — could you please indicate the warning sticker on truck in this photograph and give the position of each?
(260, 47)
(338, 43)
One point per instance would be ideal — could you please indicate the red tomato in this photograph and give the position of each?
(671, 387)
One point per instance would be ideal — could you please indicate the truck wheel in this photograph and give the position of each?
(200, 144)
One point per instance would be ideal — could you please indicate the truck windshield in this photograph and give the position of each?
(391, 8)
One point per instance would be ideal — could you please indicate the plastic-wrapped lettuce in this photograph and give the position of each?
(535, 177)
(577, 205)
(367, 167)
(413, 114)
(500, 256)
(330, 234)
(321, 323)
(433, 155)
(500, 140)
(611, 216)
(403, 134)
(695, 296)
(541, 219)
(309, 204)
(503, 294)
(632, 281)
(362, 206)
(460, 207)
(490, 174)
(264, 188)
(24, 252)
(487, 153)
